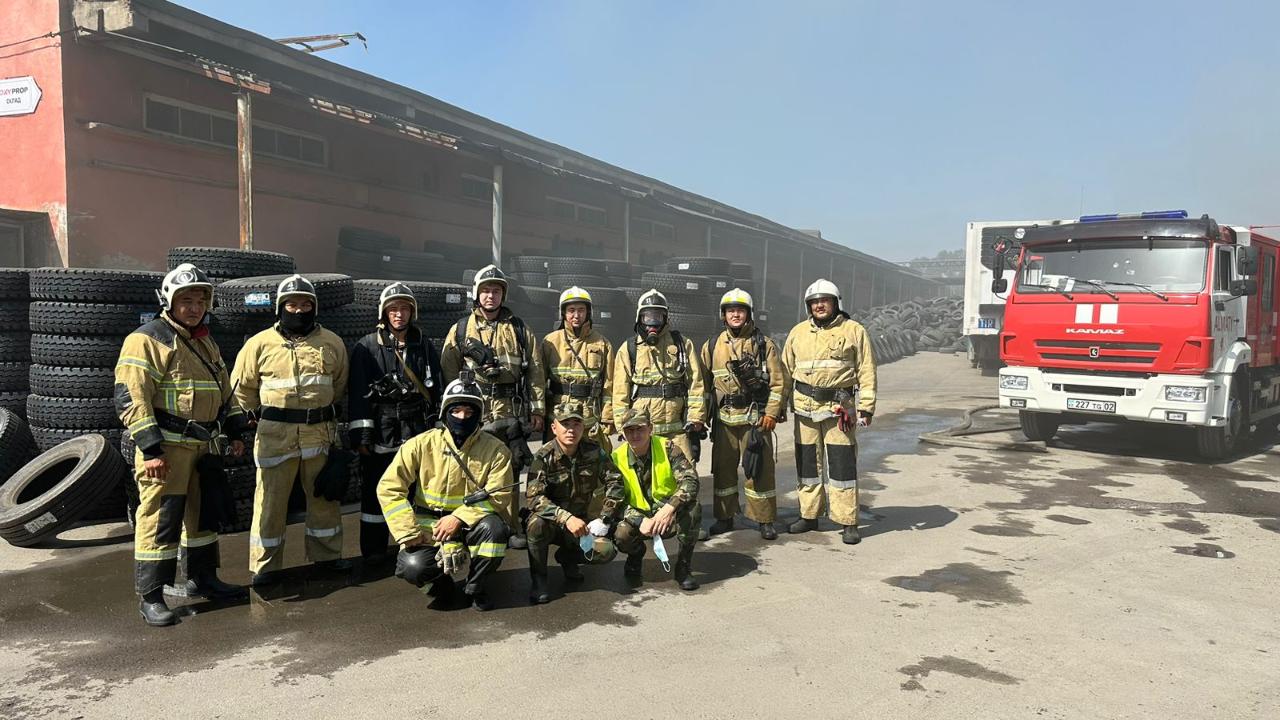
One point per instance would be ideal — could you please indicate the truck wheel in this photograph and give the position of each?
(1038, 425)
(1216, 443)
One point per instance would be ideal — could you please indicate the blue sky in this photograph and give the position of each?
(886, 125)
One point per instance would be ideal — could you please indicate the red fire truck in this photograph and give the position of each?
(1151, 317)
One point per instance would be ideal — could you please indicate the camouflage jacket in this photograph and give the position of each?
(562, 486)
(686, 482)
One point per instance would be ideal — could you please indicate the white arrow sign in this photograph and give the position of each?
(19, 96)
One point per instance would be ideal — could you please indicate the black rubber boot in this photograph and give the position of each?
(803, 525)
(539, 594)
(568, 561)
(850, 536)
(480, 599)
(338, 565)
(720, 527)
(683, 571)
(207, 585)
(634, 567)
(154, 611)
(768, 531)
(266, 578)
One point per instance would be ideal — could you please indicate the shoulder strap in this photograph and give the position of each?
(518, 325)
(631, 352)
(460, 331)
(682, 358)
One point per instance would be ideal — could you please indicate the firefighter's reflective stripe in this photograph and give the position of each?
(145, 555)
(274, 460)
(304, 380)
(324, 532)
(488, 550)
(199, 541)
(142, 363)
(265, 542)
(668, 428)
(371, 518)
(358, 424)
(824, 363)
(754, 495)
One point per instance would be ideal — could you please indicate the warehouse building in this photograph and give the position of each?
(121, 134)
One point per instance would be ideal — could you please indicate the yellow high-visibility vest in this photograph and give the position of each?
(663, 483)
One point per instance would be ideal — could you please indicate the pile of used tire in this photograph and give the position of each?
(693, 286)
(913, 326)
(222, 265)
(15, 339)
(440, 305)
(364, 253)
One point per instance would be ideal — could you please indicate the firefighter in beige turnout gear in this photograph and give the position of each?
(444, 497)
(579, 365)
(749, 384)
(170, 388)
(500, 354)
(658, 374)
(290, 375)
(834, 376)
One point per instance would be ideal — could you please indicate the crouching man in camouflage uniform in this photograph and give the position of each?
(661, 487)
(570, 480)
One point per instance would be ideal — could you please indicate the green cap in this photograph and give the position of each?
(634, 418)
(568, 410)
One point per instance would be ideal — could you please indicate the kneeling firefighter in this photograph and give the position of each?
(171, 388)
(495, 350)
(452, 524)
(579, 364)
(658, 374)
(834, 375)
(568, 477)
(750, 383)
(394, 395)
(661, 488)
(291, 375)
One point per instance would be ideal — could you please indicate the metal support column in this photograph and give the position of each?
(244, 155)
(764, 276)
(708, 239)
(626, 230)
(497, 215)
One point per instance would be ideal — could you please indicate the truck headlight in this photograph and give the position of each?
(1013, 382)
(1184, 393)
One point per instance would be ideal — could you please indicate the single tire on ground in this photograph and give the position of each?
(95, 285)
(57, 489)
(76, 350)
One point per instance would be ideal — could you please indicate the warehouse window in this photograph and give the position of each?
(477, 188)
(192, 122)
(577, 212)
(641, 227)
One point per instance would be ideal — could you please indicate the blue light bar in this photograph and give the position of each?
(1149, 215)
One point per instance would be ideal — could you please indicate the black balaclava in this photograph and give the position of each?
(462, 429)
(299, 324)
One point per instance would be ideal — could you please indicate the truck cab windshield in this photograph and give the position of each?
(1115, 266)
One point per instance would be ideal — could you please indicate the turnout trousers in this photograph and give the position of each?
(486, 542)
(729, 442)
(374, 535)
(271, 510)
(167, 523)
(827, 470)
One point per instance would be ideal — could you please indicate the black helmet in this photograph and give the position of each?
(417, 566)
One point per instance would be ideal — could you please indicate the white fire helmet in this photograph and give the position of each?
(489, 274)
(183, 277)
(821, 288)
(295, 286)
(396, 291)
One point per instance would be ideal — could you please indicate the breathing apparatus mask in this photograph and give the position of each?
(652, 320)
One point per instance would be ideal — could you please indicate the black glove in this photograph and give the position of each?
(753, 457)
(335, 476)
(217, 505)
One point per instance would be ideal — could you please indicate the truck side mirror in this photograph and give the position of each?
(1245, 287)
(1247, 260)
(999, 285)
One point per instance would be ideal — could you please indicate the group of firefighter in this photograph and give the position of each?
(442, 438)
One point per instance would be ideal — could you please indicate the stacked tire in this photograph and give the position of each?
(15, 339)
(247, 306)
(693, 286)
(902, 329)
(365, 253)
(223, 265)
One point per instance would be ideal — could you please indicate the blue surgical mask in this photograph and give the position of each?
(661, 551)
(587, 543)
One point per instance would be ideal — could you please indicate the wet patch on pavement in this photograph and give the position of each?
(1270, 524)
(1067, 519)
(1205, 550)
(1009, 527)
(1188, 525)
(955, 666)
(965, 582)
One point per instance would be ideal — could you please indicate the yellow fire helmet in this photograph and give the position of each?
(573, 295)
(736, 296)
